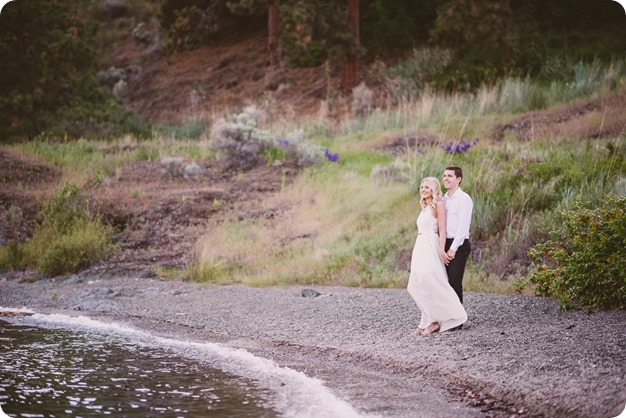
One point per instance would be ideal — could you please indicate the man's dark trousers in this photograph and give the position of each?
(456, 267)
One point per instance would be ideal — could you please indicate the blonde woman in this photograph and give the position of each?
(428, 282)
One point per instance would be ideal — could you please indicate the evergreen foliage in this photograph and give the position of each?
(391, 28)
(314, 31)
(48, 65)
(193, 23)
(48, 77)
(48, 50)
(489, 39)
(492, 39)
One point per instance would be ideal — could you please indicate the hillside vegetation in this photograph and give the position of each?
(217, 168)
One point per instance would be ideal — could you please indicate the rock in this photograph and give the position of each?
(97, 305)
(310, 293)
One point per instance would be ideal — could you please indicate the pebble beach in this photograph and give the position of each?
(517, 356)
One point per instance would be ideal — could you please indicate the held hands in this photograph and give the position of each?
(449, 256)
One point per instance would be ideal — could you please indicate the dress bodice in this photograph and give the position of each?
(426, 221)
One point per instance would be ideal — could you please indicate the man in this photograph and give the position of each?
(459, 207)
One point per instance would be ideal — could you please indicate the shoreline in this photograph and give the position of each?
(516, 356)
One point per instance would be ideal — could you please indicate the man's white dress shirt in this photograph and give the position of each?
(458, 217)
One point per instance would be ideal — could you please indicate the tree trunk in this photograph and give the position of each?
(351, 76)
(273, 35)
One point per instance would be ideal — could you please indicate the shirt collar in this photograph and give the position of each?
(447, 196)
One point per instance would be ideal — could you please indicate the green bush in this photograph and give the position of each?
(11, 256)
(583, 265)
(69, 239)
(86, 242)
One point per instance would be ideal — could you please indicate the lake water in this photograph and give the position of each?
(62, 366)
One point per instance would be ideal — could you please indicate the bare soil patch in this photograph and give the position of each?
(212, 80)
(159, 217)
(597, 118)
(162, 217)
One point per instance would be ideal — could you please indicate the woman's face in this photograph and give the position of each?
(425, 191)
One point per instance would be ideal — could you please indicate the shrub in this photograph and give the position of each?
(141, 34)
(411, 77)
(295, 147)
(11, 256)
(70, 237)
(399, 171)
(192, 27)
(238, 141)
(362, 100)
(86, 242)
(171, 166)
(584, 263)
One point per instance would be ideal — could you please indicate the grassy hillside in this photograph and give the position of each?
(352, 222)
(182, 204)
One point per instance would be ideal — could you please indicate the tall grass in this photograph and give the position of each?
(329, 235)
(344, 227)
(339, 224)
(421, 109)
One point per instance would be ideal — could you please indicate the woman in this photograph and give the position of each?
(428, 282)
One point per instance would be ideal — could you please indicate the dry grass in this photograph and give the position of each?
(297, 246)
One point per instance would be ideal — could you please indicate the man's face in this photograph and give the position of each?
(450, 181)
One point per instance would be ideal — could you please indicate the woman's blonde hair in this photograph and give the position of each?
(435, 188)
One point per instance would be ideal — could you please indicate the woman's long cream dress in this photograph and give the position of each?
(428, 282)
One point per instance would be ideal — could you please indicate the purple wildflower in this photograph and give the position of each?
(330, 156)
(458, 147)
(283, 143)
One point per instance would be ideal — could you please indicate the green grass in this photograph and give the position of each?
(88, 162)
(346, 228)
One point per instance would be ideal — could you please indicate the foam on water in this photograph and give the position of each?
(296, 395)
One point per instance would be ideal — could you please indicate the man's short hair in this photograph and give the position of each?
(457, 171)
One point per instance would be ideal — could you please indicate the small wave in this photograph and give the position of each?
(296, 395)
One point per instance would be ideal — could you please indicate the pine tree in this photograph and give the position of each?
(48, 65)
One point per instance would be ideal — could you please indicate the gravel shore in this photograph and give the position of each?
(516, 356)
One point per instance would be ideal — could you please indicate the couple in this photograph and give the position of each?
(441, 250)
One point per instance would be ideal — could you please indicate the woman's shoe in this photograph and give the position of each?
(432, 328)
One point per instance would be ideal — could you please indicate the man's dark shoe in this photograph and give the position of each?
(457, 328)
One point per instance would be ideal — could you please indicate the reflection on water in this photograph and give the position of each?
(60, 373)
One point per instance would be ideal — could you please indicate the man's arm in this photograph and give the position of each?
(465, 218)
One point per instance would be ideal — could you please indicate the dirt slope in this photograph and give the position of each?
(158, 216)
(175, 87)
